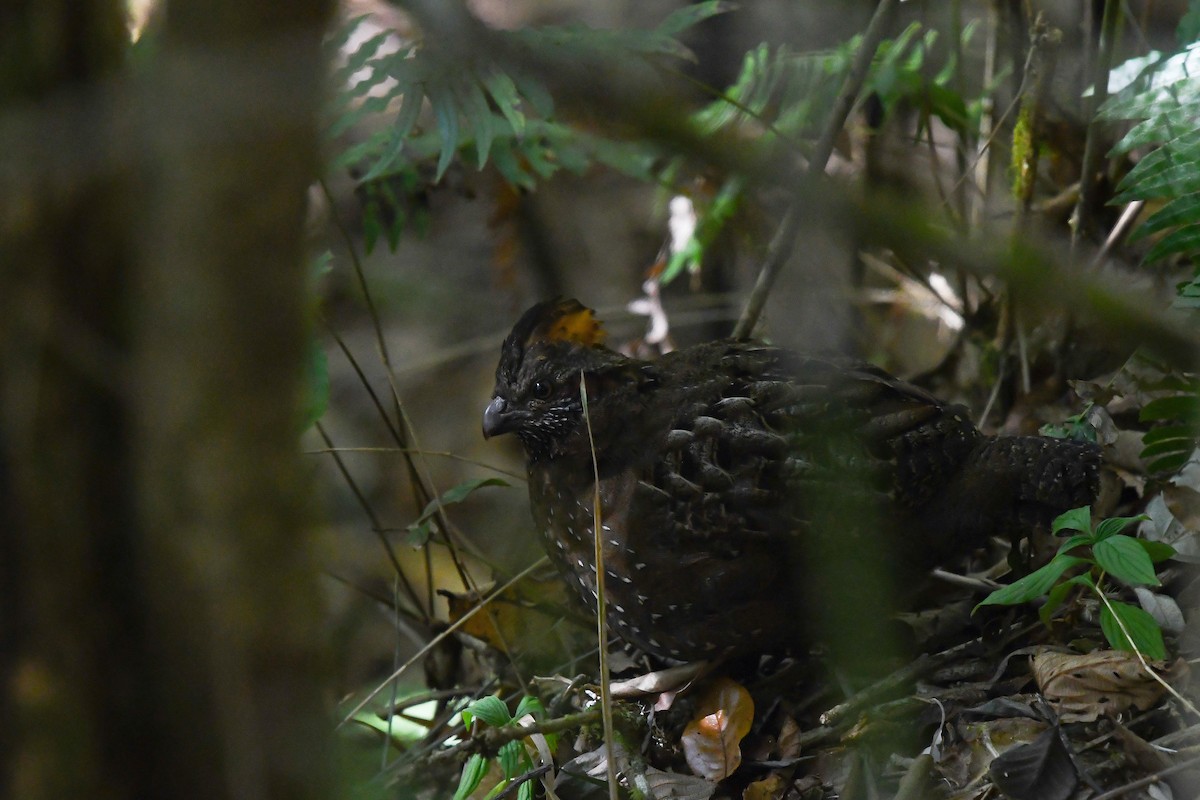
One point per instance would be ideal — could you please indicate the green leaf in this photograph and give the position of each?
(1075, 541)
(1185, 240)
(1166, 446)
(491, 710)
(1144, 634)
(504, 93)
(1172, 463)
(510, 756)
(1180, 211)
(316, 385)
(529, 705)
(418, 531)
(1114, 525)
(1054, 600)
(1158, 551)
(1033, 585)
(525, 791)
(1077, 519)
(1125, 559)
(690, 15)
(472, 775)
(445, 111)
(1184, 407)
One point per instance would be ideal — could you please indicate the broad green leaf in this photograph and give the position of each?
(1035, 584)
(529, 705)
(1158, 551)
(1077, 519)
(1113, 526)
(1075, 541)
(525, 791)
(491, 710)
(1144, 633)
(472, 775)
(1125, 559)
(1054, 600)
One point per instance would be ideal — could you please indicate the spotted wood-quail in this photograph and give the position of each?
(720, 465)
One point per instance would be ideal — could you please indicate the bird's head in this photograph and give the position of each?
(555, 345)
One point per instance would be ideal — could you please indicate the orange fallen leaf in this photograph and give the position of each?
(711, 741)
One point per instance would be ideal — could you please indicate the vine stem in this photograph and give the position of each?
(601, 615)
(782, 243)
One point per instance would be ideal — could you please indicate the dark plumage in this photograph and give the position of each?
(721, 465)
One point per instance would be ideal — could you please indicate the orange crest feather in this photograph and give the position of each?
(570, 321)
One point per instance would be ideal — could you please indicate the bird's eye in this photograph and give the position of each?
(541, 390)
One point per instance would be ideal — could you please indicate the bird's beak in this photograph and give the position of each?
(496, 419)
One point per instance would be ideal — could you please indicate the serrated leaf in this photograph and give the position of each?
(472, 775)
(1144, 633)
(1033, 585)
(491, 710)
(1125, 559)
(1077, 519)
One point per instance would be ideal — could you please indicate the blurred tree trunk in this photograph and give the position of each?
(159, 616)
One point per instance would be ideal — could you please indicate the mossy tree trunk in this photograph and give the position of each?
(159, 615)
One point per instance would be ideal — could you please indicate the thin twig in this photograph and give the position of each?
(1081, 221)
(436, 639)
(438, 453)
(601, 616)
(780, 248)
(376, 525)
(1112, 794)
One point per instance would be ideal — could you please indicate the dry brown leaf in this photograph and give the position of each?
(711, 741)
(771, 787)
(1082, 687)
(651, 683)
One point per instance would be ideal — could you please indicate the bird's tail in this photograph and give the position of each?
(1010, 486)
